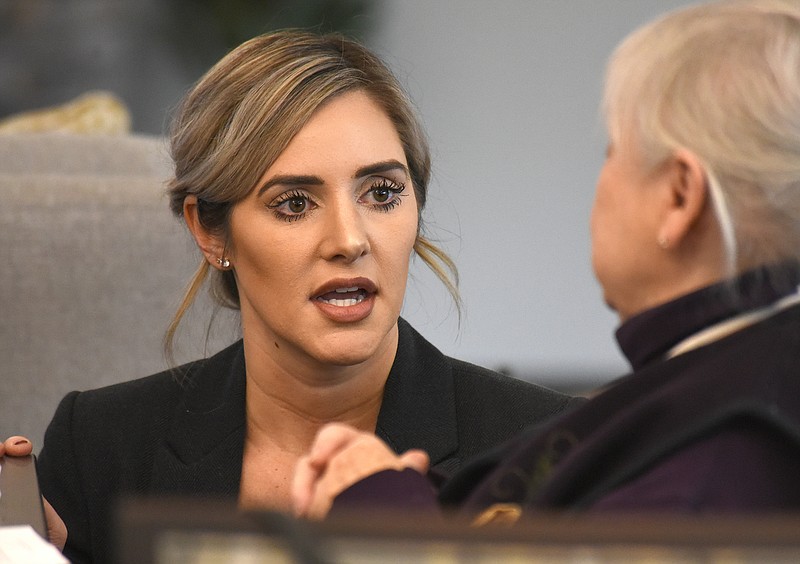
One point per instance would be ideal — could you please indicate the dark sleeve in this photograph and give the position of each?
(400, 491)
(60, 481)
(739, 468)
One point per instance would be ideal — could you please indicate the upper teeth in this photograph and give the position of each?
(346, 290)
(345, 303)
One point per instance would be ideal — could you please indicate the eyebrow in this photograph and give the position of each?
(291, 180)
(383, 166)
(310, 180)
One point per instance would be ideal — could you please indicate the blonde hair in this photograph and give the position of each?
(722, 80)
(241, 115)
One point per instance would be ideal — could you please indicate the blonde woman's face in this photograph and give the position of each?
(321, 247)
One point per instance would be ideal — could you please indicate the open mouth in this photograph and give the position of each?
(344, 297)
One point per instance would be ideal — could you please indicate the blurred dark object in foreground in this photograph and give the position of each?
(195, 530)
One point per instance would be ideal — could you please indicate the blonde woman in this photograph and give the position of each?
(302, 172)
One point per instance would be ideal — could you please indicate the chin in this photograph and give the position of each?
(348, 357)
(610, 305)
(349, 349)
(354, 344)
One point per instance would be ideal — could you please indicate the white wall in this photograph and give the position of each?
(509, 93)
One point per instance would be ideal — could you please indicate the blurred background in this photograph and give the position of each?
(148, 52)
(508, 91)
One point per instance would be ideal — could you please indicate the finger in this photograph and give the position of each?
(417, 460)
(319, 508)
(330, 439)
(17, 446)
(363, 456)
(56, 529)
(303, 484)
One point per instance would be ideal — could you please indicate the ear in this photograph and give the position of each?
(688, 197)
(212, 246)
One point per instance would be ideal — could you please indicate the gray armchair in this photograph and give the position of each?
(92, 266)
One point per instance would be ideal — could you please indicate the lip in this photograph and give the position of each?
(332, 285)
(349, 313)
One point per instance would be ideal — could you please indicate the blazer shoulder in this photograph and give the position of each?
(154, 388)
(204, 378)
(493, 407)
(485, 385)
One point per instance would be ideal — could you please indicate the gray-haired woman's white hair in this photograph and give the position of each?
(722, 80)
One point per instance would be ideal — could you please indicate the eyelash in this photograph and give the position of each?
(396, 190)
(288, 197)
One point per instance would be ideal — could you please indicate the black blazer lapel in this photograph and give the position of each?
(203, 450)
(418, 409)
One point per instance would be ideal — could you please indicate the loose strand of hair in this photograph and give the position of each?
(188, 299)
(443, 267)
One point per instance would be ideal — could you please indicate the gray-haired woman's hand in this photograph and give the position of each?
(339, 457)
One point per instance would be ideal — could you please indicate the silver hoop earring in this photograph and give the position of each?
(224, 262)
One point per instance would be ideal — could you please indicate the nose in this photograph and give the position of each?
(346, 237)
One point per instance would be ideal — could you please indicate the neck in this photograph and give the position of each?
(287, 402)
(673, 286)
(696, 263)
(710, 313)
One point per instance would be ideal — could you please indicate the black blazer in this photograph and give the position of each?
(182, 432)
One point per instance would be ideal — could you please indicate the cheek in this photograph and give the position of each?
(605, 212)
(267, 258)
(601, 227)
(407, 229)
(402, 249)
(596, 217)
(397, 247)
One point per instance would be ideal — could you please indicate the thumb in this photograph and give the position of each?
(417, 460)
